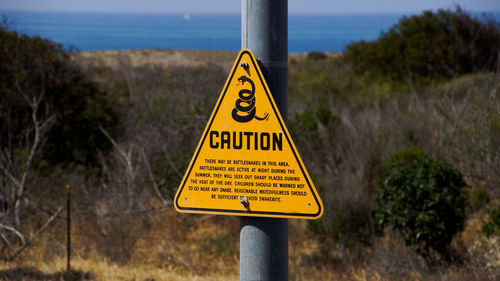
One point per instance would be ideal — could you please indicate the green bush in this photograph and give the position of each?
(478, 198)
(32, 67)
(350, 226)
(431, 46)
(425, 200)
(492, 226)
(315, 56)
(309, 120)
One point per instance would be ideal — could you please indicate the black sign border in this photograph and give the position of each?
(287, 135)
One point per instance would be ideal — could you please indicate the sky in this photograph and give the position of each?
(234, 6)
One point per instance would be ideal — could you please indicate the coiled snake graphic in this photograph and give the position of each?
(246, 104)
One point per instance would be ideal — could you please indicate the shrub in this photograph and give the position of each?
(479, 197)
(350, 226)
(309, 120)
(430, 46)
(492, 226)
(315, 56)
(425, 200)
(32, 67)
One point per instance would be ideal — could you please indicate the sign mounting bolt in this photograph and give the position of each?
(244, 201)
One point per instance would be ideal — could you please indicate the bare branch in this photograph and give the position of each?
(6, 154)
(34, 147)
(127, 160)
(38, 232)
(172, 164)
(9, 175)
(151, 176)
(113, 142)
(5, 241)
(20, 90)
(13, 230)
(47, 122)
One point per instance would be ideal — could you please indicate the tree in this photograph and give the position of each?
(425, 200)
(431, 46)
(31, 64)
(49, 113)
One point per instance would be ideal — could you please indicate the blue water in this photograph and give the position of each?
(99, 31)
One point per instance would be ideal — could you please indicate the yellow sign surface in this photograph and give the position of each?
(246, 163)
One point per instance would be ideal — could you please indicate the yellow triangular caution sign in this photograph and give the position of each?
(246, 163)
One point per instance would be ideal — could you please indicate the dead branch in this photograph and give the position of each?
(172, 164)
(39, 127)
(151, 176)
(13, 230)
(9, 175)
(127, 159)
(35, 235)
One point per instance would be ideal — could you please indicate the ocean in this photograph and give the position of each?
(101, 31)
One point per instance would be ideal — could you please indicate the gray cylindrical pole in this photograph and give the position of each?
(68, 228)
(264, 30)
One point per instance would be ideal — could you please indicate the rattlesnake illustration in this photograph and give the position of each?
(245, 109)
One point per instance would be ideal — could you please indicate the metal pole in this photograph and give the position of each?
(264, 30)
(68, 226)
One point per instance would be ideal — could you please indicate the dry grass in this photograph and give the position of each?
(102, 269)
(187, 247)
(169, 57)
(176, 247)
(172, 246)
(164, 58)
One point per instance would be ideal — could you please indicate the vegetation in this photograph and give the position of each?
(431, 46)
(492, 226)
(422, 198)
(347, 118)
(478, 199)
(33, 68)
(50, 114)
